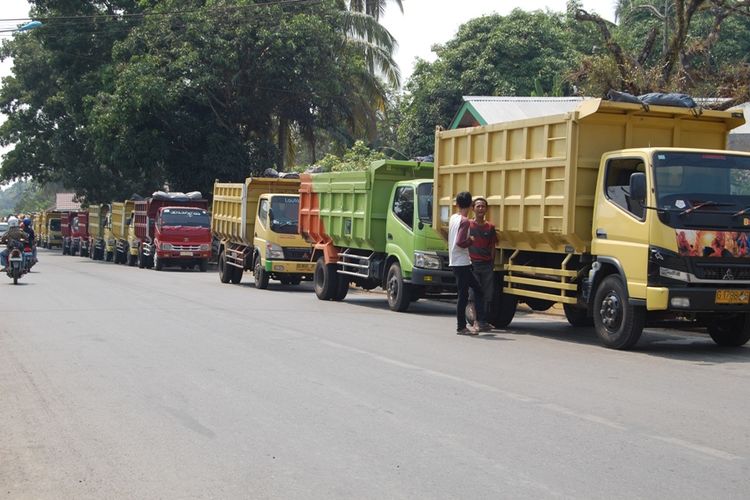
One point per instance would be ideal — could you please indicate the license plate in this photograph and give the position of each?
(15, 259)
(187, 254)
(732, 296)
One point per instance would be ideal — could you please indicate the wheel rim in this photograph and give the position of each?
(611, 311)
(393, 287)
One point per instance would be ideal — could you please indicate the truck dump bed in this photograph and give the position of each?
(236, 203)
(539, 174)
(349, 208)
(120, 215)
(97, 213)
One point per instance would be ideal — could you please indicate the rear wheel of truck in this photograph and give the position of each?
(342, 287)
(260, 275)
(141, 259)
(203, 265)
(502, 309)
(225, 270)
(131, 259)
(235, 274)
(618, 323)
(325, 279)
(577, 316)
(398, 292)
(108, 256)
(733, 332)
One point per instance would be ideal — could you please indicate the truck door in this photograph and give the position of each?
(620, 229)
(400, 226)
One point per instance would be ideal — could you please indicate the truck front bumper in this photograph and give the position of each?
(176, 255)
(433, 277)
(690, 299)
(290, 267)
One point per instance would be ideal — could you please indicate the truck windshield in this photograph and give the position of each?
(700, 185)
(424, 200)
(54, 225)
(284, 214)
(185, 217)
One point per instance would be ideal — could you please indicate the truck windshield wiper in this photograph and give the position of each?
(702, 204)
(741, 212)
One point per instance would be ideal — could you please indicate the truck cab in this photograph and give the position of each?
(182, 237)
(280, 252)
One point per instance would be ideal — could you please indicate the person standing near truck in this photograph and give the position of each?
(482, 250)
(459, 259)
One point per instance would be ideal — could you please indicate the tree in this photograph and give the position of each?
(691, 46)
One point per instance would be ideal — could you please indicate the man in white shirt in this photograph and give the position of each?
(459, 242)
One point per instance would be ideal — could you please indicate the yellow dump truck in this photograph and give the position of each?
(121, 214)
(40, 228)
(627, 215)
(97, 221)
(256, 223)
(51, 229)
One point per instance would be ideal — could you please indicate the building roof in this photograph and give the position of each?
(483, 110)
(66, 201)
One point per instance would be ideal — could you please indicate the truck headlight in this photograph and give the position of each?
(426, 260)
(274, 251)
(205, 247)
(166, 246)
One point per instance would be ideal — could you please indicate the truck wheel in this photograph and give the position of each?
(235, 274)
(225, 271)
(577, 316)
(734, 332)
(260, 275)
(325, 279)
(158, 263)
(131, 259)
(141, 259)
(398, 292)
(342, 287)
(618, 324)
(203, 265)
(503, 308)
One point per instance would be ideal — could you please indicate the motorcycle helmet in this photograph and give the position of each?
(12, 222)
(27, 222)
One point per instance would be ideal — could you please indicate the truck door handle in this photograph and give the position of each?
(389, 236)
(601, 233)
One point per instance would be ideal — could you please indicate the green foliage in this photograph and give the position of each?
(523, 53)
(358, 157)
(26, 197)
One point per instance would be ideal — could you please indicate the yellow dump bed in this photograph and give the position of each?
(539, 174)
(235, 205)
(96, 216)
(40, 225)
(120, 215)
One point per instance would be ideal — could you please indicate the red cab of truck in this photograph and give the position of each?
(173, 231)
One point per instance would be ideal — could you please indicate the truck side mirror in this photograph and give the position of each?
(638, 187)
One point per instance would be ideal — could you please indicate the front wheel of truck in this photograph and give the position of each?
(398, 292)
(732, 332)
(260, 275)
(158, 263)
(203, 265)
(618, 323)
(225, 270)
(325, 279)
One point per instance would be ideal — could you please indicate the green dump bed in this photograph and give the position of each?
(349, 208)
(236, 203)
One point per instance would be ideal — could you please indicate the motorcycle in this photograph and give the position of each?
(16, 267)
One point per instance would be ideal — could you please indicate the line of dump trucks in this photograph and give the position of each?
(627, 215)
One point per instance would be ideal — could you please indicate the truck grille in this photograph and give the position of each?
(299, 254)
(716, 271)
(186, 248)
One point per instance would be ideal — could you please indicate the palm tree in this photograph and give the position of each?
(373, 8)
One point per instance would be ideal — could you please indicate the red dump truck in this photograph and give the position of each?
(69, 231)
(171, 229)
(81, 230)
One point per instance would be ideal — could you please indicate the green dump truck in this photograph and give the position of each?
(373, 228)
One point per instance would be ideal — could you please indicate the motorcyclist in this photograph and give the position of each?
(14, 233)
(31, 236)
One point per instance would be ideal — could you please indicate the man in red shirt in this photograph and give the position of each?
(482, 250)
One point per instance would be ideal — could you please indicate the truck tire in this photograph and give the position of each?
(235, 274)
(130, 259)
(618, 324)
(260, 275)
(342, 287)
(225, 271)
(203, 265)
(503, 308)
(108, 256)
(141, 259)
(397, 292)
(325, 279)
(733, 332)
(577, 316)
(158, 263)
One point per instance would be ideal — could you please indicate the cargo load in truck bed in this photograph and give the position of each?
(539, 175)
(350, 208)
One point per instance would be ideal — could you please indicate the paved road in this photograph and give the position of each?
(117, 382)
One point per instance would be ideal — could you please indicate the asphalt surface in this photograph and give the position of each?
(117, 382)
